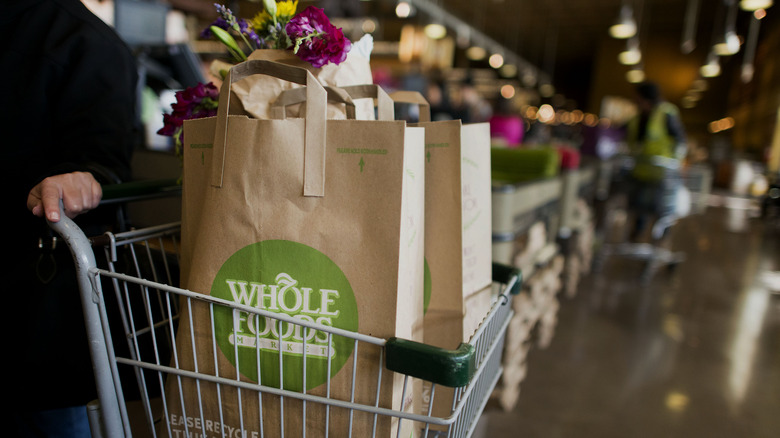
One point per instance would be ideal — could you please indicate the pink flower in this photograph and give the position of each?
(315, 39)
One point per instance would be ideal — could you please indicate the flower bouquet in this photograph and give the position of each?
(278, 33)
(309, 34)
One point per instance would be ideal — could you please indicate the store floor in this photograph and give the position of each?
(694, 353)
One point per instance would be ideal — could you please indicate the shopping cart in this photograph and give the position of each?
(672, 205)
(133, 292)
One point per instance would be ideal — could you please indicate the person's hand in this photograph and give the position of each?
(79, 191)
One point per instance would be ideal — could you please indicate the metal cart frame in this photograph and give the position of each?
(149, 307)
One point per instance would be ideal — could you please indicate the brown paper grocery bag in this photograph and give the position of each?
(254, 95)
(458, 237)
(318, 219)
(458, 234)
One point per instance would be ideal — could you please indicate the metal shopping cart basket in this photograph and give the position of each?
(135, 290)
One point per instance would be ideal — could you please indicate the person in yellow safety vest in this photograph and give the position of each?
(657, 141)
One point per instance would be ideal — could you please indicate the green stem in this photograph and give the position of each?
(309, 37)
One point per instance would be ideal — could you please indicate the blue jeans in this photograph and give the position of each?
(651, 200)
(55, 423)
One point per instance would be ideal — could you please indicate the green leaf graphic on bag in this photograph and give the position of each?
(294, 279)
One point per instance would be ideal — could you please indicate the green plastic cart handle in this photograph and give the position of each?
(453, 368)
(135, 190)
(504, 274)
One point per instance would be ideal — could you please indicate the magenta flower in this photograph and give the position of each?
(315, 39)
(194, 102)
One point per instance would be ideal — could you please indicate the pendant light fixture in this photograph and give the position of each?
(496, 60)
(753, 5)
(625, 26)
(436, 29)
(636, 74)
(404, 9)
(711, 68)
(476, 53)
(689, 29)
(747, 70)
(632, 55)
(727, 43)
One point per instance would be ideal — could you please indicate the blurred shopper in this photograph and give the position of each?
(69, 126)
(657, 140)
(468, 105)
(438, 97)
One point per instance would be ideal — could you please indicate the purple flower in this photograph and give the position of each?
(315, 39)
(219, 22)
(227, 21)
(194, 102)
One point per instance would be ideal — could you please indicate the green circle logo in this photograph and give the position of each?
(296, 280)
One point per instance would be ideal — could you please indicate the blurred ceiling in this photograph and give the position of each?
(568, 40)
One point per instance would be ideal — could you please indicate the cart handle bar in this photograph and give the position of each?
(453, 368)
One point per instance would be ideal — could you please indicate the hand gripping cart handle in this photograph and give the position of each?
(132, 292)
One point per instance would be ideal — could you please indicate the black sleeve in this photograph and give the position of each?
(75, 102)
(71, 99)
(95, 114)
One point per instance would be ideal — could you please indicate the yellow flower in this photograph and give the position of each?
(285, 10)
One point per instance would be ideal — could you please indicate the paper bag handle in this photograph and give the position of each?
(415, 98)
(346, 95)
(316, 113)
(298, 96)
(383, 102)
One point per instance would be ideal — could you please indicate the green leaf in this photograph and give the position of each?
(225, 38)
(270, 6)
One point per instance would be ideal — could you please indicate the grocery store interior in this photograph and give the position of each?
(674, 337)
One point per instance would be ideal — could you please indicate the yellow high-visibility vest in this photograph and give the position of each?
(658, 142)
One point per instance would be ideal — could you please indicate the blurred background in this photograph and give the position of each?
(715, 59)
(608, 348)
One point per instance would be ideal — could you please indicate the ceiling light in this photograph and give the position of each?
(728, 45)
(699, 85)
(475, 53)
(528, 78)
(711, 68)
(403, 9)
(507, 91)
(435, 31)
(368, 26)
(694, 95)
(546, 90)
(635, 75)
(546, 113)
(463, 36)
(752, 5)
(632, 55)
(508, 70)
(728, 42)
(625, 27)
(496, 60)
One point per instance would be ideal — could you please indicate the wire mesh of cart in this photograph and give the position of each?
(133, 293)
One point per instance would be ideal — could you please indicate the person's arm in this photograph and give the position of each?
(79, 192)
(92, 126)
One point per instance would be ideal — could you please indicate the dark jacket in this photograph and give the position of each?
(69, 104)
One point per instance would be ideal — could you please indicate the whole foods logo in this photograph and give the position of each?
(295, 280)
